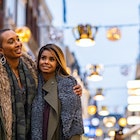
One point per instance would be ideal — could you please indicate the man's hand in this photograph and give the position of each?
(78, 89)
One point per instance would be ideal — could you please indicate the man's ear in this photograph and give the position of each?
(1, 52)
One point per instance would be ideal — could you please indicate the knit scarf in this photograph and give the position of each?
(21, 101)
(37, 111)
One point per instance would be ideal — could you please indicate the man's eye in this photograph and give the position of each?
(18, 40)
(10, 41)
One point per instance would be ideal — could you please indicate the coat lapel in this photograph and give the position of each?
(52, 99)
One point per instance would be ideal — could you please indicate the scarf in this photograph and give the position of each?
(21, 101)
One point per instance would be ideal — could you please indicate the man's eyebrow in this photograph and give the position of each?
(12, 37)
(9, 38)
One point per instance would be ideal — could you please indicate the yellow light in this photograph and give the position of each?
(24, 33)
(111, 133)
(99, 132)
(113, 34)
(122, 122)
(92, 109)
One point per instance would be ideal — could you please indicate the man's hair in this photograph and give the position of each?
(2, 31)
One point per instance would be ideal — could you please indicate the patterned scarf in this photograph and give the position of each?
(21, 101)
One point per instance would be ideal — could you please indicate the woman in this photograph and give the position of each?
(18, 86)
(56, 110)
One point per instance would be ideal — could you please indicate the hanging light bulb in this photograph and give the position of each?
(84, 35)
(104, 111)
(109, 121)
(113, 34)
(95, 73)
(99, 96)
(95, 76)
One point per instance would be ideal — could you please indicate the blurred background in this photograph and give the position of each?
(101, 42)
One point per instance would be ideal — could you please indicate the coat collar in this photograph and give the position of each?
(52, 95)
(52, 99)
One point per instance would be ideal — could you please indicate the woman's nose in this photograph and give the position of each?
(46, 60)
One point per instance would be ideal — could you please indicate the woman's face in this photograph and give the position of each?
(47, 62)
(11, 45)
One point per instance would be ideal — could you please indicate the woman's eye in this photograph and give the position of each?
(43, 58)
(52, 59)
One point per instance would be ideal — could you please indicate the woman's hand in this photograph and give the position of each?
(77, 90)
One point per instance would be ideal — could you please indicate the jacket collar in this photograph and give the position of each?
(52, 95)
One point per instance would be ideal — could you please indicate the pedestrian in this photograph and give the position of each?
(56, 110)
(18, 86)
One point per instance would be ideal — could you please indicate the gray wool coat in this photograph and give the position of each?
(69, 111)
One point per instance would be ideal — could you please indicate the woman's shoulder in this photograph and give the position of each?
(67, 79)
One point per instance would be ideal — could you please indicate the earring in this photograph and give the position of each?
(3, 60)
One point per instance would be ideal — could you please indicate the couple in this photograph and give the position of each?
(41, 102)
